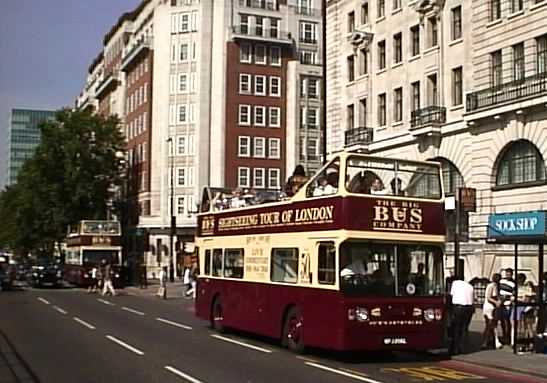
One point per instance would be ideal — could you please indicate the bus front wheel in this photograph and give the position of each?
(217, 316)
(293, 331)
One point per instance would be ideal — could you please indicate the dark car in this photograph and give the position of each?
(45, 273)
(7, 275)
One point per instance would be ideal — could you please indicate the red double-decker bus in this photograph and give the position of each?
(353, 261)
(89, 243)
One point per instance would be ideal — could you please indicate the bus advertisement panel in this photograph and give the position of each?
(347, 270)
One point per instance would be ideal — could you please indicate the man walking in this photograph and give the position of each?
(108, 287)
(462, 312)
(507, 296)
(162, 291)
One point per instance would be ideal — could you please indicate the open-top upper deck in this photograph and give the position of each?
(353, 192)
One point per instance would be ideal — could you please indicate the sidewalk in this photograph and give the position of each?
(528, 363)
(175, 290)
(12, 367)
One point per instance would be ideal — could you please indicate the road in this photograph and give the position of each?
(68, 335)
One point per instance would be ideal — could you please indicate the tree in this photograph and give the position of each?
(72, 176)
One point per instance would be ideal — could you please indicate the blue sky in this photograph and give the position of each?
(46, 47)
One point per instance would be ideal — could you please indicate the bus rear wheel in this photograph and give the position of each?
(217, 316)
(293, 331)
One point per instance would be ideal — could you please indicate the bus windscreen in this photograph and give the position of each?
(94, 257)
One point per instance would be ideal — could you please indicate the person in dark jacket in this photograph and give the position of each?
(296, 180)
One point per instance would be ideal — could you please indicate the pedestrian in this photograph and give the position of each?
(107, 278)
(462, 312)
(507, 295)
(296, 180)
(187, 280)
(193, 282)
(490, 310)
(94, 285)
(162, 291)
(143, 278)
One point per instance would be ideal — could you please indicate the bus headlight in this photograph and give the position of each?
(438, 314)
(361, 314)
(429, 315)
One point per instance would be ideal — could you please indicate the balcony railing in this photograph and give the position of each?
(138, 47)
(359, 136)
(307, 40)
(110, 80)
(305, 11)
(261, 4)
(262, 33)
(511, 91)
(427, 116)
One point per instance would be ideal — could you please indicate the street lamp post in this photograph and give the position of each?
(173, 227)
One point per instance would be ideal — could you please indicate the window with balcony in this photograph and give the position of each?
(245, 53)
(259, 149)
(541, 54)
(382, 55)
(520, 163)
(274, 148)
(363, 112)
(351, 68)
(433, 31)
(364, 13)
(275, 56)
(382, 109)
(516, 5)
(495, 10)
(457, 86)
(244, 146)
(415, 95)
(518, 62)
(456, 23)
(496, 69)
(432, 90)
(243, 177)
(381, 11)
(415, 43)
(398, 105)
(258, 178)
(260, 115)
(350, 116)
(363, 61)
(274, 178)
(351, 21)
(398, 48)
(308, 32)
(244, 83)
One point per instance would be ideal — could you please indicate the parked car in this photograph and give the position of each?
(7, 273)
(45, 273)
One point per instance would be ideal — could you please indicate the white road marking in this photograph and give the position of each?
(343, 373)
(105, 302)
(132, 311)
(174, 323)
(182, 374)
(123, 344)
(82, 322)
(57, 308)
(242, 344)
(43, 300)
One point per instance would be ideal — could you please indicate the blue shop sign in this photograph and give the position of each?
(511, 225)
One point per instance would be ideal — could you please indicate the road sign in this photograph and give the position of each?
(467, 199)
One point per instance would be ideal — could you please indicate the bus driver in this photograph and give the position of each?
(353, 268)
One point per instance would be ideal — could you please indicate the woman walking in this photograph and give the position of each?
(489, 309)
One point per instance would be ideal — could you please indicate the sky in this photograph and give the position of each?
(46, 47)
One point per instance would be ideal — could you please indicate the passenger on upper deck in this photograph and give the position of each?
(296, 180)
(397, 186)
(377, 187)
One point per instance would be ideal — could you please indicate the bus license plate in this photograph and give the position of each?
(394, 341)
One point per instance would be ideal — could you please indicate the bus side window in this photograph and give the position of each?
(217, 262)
(284, 265)
(233, 263)
(207, 262)
(326, 263)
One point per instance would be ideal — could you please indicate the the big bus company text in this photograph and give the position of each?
(91, 244)
(352, 261)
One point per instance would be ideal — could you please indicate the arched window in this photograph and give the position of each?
(452, 178)
(520, 163)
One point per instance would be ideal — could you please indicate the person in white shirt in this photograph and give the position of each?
(492, 302)
(353, 268)
(162, 291)
(462, 312)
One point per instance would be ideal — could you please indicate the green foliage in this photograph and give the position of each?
(73, 174)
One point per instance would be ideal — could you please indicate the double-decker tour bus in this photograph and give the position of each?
(89, 243)
(353, 261)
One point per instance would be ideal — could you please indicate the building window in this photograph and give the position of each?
(452, 178)
(275, 86)
(398, 104)
(258, 178)
(274, 148)
(541, 54)
(382, 110)
(182, 177)
(259, 25)
(259, 149)
(520, 163)
(415, 34)
(245, 53)
(308, 32)
(183, 115)
(516, 5)
(313, 87)
(260, 54)
(243, 177)
(433, 32)
(274, 117)
(363, 61)
(274, 28)
(432, 91)
(457, 23)
(312, 117)
(382, 54)
(275, 56)
(244, 83)
(351, 68)
(351, 22)
(518, 62)
(260, 115)
(184, 22)
(496, 73)
(244, 115)
(274, 179)
(363, 112)
(415, 95)
(398, 48)
(183, 56)
(364, 13)
(260, 85)
(396, 4)
(181, 205)
(308, 57)
(244, 146)
(350, 115)
(381, 8)
(182, 146)
(457, 86)
(312, 149)
(495, 10)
